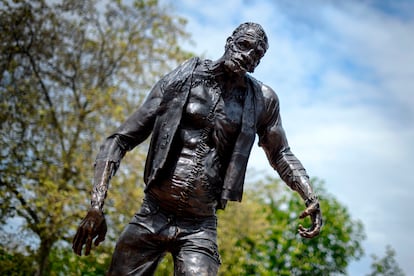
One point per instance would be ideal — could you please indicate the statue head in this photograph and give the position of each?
(245, 47)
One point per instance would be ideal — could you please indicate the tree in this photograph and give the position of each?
(387, 265)
(242, 227)
(259, 236)
(69, 72)
(15, 263)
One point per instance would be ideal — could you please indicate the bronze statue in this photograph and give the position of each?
(203, 117)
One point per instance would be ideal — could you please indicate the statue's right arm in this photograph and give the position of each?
(135, 130)
(131, 133)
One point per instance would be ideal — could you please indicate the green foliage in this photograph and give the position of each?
(241, 230)
(387, 265)
(15, 264)
(64, 262)
(259, 236)
(70, 71)
(166, 266)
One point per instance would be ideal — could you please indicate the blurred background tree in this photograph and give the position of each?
(387, 265)
(70, 71)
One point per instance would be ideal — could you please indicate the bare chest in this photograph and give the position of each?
(226, 106)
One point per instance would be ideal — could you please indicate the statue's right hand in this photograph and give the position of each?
(92, 226)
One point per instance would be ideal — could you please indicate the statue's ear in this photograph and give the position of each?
(228, 42)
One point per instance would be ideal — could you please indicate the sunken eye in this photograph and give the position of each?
(259, 53)
(243, 45)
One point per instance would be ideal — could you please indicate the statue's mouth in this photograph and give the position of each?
(240, 64)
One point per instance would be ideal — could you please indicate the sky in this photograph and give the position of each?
(344, 74)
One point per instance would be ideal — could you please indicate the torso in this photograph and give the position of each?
(201, 149)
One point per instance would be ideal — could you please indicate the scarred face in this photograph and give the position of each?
(244, 51)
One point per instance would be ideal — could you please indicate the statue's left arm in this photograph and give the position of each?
(273, 141)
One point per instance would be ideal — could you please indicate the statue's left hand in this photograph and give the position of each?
(92, 226)
(313, 210)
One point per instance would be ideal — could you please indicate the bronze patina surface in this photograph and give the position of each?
(203, 117)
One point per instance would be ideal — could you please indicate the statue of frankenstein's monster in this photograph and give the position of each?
(203, 117)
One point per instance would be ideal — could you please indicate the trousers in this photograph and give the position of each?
(153, 232)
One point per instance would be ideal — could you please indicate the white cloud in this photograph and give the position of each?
(384, 44)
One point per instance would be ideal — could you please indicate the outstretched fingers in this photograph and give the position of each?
(312, 210)
(83, 236)
(88, 245)
(79, 241)
(101, 236)
(92, 226)
(309, 232)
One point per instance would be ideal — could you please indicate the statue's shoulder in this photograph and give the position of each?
(264, 90)
(187, 67)
(190, 63)
(181, 72)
